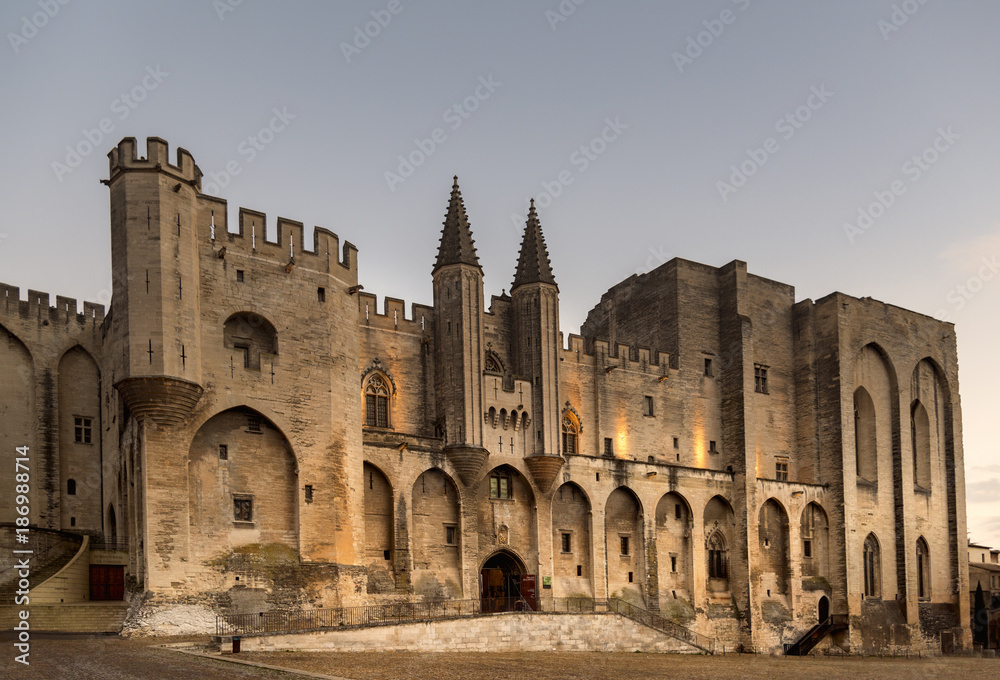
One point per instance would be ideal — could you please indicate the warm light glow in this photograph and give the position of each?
(700, 447)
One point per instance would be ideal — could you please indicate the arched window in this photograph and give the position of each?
(70, 487)
(865, 442)
(570, 433)
(250, 335)
(923, 570)
(717, 557)
(501, 484)
(920, 434)
(872, 561)
(377, 402)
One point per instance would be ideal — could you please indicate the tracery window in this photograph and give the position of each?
(717, 557)
(570, 433)
(377, 402)
(923, 570)
(871, 566)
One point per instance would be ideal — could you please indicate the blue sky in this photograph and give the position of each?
(712, 131)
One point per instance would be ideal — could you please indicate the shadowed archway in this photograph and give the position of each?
(500, 583)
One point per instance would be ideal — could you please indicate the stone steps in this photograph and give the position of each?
(86, 617)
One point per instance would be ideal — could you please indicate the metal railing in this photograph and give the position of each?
(301, 621)
(115, 546)
(654, 620)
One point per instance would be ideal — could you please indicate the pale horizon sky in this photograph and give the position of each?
(826, 105)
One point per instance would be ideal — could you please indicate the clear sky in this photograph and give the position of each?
(716, 130)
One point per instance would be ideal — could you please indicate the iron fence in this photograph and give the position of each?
(115, 546)
(300, 621)
(654, 620)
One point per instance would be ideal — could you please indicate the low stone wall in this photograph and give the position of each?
(497, 633)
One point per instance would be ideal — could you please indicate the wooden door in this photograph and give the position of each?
(107, 582)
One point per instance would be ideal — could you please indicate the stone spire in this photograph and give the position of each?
(457, 245)
(533, 262)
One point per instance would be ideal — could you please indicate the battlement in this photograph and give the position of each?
(592, 351)
(37, 307)
(125, 157)
(393, 317)
(252, 236)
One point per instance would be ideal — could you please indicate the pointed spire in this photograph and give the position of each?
(457, 245)
(533, 262)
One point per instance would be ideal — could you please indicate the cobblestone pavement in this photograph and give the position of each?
(604, 666)
(92, 657)
(102, 657)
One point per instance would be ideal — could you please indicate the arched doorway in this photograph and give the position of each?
(501, 583)
(824, 609)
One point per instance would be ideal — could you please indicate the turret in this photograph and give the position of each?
(535, 298)
(156, 302)
(458, 342)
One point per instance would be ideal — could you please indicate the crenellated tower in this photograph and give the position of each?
(535, 298)
(458, 341)
(156, 304)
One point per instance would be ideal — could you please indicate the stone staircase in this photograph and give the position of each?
(52, 551)
(82, 617)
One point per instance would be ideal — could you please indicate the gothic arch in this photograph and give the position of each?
(923, 568)
(814, 532)
(720, 534)
(17, 384)
(571, 430)
(572, 540)
(624, 540)
(674, 521)
(79, 414)
(920, 435)
(242, 484)
(378, 393)
(379, 528)
(872, 566)
(772, 537)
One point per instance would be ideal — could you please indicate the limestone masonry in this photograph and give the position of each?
(264, 435)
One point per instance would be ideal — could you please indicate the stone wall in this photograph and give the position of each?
(497, 633)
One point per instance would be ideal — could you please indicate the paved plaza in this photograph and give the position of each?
(112, 658)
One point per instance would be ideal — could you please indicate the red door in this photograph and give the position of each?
(107, 582)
